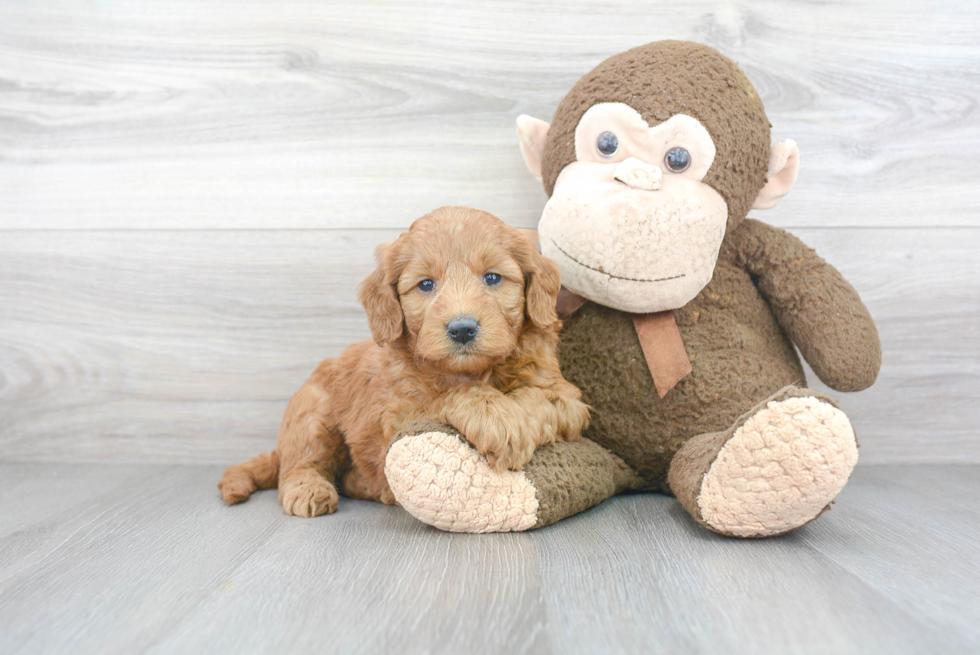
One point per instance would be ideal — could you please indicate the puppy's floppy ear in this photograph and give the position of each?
(380, 299)
(542, 283)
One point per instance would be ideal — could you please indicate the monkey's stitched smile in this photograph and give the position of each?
(618, 277)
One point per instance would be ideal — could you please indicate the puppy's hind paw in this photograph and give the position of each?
(236, 487)
(308, 494)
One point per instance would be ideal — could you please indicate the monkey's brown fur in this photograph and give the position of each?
(505, 392)
(739, 335)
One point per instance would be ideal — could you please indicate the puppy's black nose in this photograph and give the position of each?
(462, 329)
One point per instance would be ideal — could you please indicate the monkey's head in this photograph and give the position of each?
(649, 160)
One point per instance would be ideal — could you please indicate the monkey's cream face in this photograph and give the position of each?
(630, 223)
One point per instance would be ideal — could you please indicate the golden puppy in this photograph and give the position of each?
(462, 310)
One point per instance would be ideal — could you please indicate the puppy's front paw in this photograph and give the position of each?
(505, 429)
(573, 418)
(508, 444)
(509, 458)
(307, 494)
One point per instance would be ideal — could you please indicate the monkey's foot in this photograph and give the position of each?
(442, 480)
(778, 470)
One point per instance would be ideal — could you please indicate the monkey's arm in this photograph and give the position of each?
(820, 311)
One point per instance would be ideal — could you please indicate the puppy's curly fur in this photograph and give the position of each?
(501, 387)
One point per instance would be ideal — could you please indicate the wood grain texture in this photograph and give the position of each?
(125, 559)
(302, 114)
(184, 346)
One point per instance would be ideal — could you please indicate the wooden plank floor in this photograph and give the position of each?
(144, 558)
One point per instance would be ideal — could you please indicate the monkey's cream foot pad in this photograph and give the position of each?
(443, 481)
(780, 469)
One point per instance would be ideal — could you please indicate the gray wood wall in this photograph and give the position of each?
(190, 191)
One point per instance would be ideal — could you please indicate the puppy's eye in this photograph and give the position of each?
(677, 160)
(607, 144)
(492, 279)
(426, 285)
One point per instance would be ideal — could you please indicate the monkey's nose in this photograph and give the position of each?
(462, 329)
(639, 174)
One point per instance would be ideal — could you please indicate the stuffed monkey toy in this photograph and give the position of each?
(680, 316)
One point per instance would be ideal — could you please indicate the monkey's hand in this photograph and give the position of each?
(819, 310)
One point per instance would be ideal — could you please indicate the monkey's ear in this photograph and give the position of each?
(377, 294)
(784, 165)
(533, 132)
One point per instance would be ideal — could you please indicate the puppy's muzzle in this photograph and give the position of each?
(462, 329)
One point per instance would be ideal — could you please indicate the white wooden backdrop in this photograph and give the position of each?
(190, 191)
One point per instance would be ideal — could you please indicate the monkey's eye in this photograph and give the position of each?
(426, 285)
(607, 143)
(492, 279)
(677, 160)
